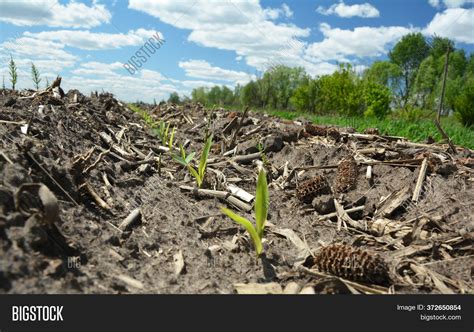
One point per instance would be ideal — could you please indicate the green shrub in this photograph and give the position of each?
(411, 114)
(377, 99)
(464, 104)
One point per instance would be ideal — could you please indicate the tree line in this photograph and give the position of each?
(408, 83)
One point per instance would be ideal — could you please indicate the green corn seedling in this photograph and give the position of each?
(261, 149)
(162, 131)
(201, 171)
(262, 201)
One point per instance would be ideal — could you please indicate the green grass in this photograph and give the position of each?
(414, 130)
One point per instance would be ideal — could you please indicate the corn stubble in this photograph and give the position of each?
(352, 263)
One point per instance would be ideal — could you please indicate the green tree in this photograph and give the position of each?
(384, 73)
(279, 84)
(214, 95)
(439, 46)
(199, 95)
(174, 98)
(227, 96)
(250, 95)
(13, 72)
(237, 94)
(265, 90)
(425, 83)
(306, 96)
(35, 75)
(464, 103)
(408, 54)
(342, 92)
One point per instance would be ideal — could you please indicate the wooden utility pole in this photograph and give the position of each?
(440, 109)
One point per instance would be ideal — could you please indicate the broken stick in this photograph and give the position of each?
(221, 195)
(419, 182)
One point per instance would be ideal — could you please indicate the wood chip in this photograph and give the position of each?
(255, 288)
(130, 281)
(132, 219)
(291, 288)
(179, 265)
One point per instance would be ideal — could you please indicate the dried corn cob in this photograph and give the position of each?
(352, 263)
(315, 130)
(371, 131)
(346, 177)
(309, 189)
(334, 133)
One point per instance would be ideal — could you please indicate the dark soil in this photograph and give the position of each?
(57, 143)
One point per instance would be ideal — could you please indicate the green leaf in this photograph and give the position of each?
(165, 136)
(204, 155)
(261, 202)
(170, 144)
(196, 175)
(248, 227)
(179, 160)
(162, 130)
(156, 132)
(190, 157)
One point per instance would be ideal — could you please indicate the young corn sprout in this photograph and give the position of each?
(262, 201)
(201, 171)
(261, 149)
(162, 131)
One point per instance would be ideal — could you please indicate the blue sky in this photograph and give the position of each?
(203, 43)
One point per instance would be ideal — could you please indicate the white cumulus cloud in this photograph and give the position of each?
(52, 13)
(454, 23)
(244, 27)
(86, 40)
(339, 44)
(203, 69)
(342, 10)
(449, 3)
